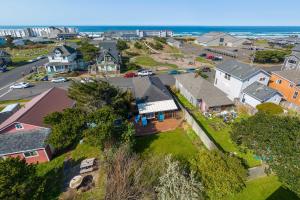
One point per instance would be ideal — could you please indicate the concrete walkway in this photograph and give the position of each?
(256, 172)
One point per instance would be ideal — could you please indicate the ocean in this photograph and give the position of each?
(240, 31)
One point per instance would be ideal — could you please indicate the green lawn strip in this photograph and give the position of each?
(53, 170)
(6, 102)
(150, 62)
(204, 60)
(261, 42)
(177, 142)
(221, 137)
(265, 188)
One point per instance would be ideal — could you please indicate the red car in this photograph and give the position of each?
(130, 75)
(210, 56)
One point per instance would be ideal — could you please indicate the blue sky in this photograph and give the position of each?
(150, 12)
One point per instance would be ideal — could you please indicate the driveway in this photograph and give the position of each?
(15, 74)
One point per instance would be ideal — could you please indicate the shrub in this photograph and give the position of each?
(270, 108)
(270, 56)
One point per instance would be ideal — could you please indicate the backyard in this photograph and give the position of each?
(219, 132)
(147, 61)
(184, 144)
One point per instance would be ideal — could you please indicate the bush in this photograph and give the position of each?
(270, 108)
(122, 45)
(138, 45)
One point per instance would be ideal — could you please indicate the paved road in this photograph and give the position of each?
(28, 93)
(12, 76)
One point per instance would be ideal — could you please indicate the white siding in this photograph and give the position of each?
(254, 102)
(234, 87)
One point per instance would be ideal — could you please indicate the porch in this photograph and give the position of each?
(154, 125)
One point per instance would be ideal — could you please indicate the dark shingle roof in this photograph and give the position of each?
(23, 141)
(65, 50)
(109, 48)
(150, 89)
(291, 75)
(202, 89)
(238, 70)
(260, 91)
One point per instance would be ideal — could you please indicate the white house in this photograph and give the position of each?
(232, 77)
(258, 93)
(62, 59)
(292, 62)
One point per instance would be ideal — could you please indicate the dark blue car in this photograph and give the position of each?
(190, 70)
(173, 72)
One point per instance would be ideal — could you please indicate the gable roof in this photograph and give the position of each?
(260, 91)
(23, 141)
(291, 75)
(109, 48)
(150, 89)
(241, 71)
(65, 50)
(53, 100)
(202, 89)
(296, 48)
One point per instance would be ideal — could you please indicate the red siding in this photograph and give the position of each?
(41, 158)
(12, 128)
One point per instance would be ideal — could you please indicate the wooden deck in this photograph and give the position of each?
(155, 126)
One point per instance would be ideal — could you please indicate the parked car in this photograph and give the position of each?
(20, 85)
(130, 75)
(203, 54)
(145, 73)
(206, 69)
(45, 78)
(3, 69)
(59, 80)
(210, 56)
(173, 72)
(217, 58)
(190, 70)
(86, 80)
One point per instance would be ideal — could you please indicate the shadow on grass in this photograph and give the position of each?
(283, 193)
(143, 143)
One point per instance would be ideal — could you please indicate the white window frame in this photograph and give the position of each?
(37, 154)
(19, 124)
(227, 76)
(279, 81)
(295, 95)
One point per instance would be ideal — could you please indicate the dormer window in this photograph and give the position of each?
(19, 126)
(278, 81)
(227, 76)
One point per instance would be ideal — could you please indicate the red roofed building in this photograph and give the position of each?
(24, 133)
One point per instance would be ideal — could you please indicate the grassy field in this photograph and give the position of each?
(146, 61)
(265, 188)
(204, 60)
(182, 144)
(53, 170)
(219, 132)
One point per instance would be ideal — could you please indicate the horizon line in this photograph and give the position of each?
(157, 25)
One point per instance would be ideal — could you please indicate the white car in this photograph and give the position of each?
(86, 80)
(145, 73)
(20, 85)
(59, 80)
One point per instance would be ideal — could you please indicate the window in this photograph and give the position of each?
(30, 154)
(292, 61)
(19, 126)
(278, 81)
(227, 76)
(216, 82)
(262, 78)
(295, 95)
(291, 85)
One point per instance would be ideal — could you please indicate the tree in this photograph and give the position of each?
(94, 95)
(270, 56)
(124, 176)
(18, 180)
(88, 51)
(270, 108)
(107, 129)
(67, 127)
(122, 45)
(138, 45)
(221, 175)
(9, 41)
(276, 140)
(177, 184)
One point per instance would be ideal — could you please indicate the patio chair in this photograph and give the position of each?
(144, 121)
(137, 118)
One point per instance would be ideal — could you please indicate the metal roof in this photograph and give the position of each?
(158, 106)
(202, 89)
(241, 71)
(291, 75)
(23, 141)
(10, 107)
(260, 91)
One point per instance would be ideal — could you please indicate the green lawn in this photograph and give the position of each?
(53, 170)
(265, 188)
(146, 61)
(204, 60)
(6, 102)
(219, 132)
(182, 144)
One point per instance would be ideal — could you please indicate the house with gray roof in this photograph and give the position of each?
(109, 59)
(258, 93)
(63, 59)
(232, 77)
(292, 62)
(202, 94)
(6, 57)
(221, 39)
